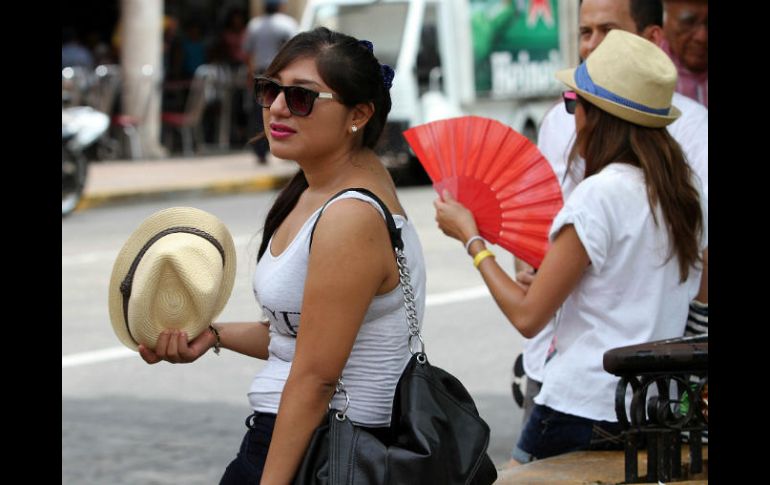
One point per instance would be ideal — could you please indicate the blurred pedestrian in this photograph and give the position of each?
(229, 54)
(73, 52)
(232, 37)
(265, 34)
(194, 46)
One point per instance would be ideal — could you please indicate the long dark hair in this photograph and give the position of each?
(605, 139)
(351, 70)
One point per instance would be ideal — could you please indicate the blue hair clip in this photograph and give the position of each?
(387, 75)
(386, 70)
(369, 46)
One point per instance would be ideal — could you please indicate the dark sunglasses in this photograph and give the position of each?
(570, 101)
(298, 99)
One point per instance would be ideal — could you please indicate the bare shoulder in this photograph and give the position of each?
(350, 222)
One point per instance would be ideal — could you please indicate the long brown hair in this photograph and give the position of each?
(606, 139)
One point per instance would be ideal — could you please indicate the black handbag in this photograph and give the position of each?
(436, 435)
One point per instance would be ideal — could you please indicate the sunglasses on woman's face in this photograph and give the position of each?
(570, 101)
(299, 100)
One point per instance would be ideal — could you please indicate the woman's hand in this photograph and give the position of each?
(173, 347)
(454, 219)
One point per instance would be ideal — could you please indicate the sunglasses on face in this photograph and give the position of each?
(299, 100)
(570, 101)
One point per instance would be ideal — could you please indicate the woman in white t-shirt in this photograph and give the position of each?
(338, 309)
(624, 260)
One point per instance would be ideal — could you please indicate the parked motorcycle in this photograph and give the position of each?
(81, 128)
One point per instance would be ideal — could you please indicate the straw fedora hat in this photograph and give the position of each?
(629, 77)
(176, 271)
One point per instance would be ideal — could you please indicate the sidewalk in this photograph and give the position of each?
(130, 180)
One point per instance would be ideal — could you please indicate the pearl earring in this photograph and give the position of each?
(354, 128)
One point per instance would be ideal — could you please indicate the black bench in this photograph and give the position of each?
(678, 370)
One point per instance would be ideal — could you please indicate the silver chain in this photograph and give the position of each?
(411, 312)
(411, 318)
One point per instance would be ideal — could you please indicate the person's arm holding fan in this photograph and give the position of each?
(528, 310)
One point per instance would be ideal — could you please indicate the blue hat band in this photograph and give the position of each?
(584, 82)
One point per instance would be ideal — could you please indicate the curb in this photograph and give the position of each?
(254, 184)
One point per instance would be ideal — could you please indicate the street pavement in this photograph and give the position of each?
(121, 181)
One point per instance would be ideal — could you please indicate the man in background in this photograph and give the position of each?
(686, 29)
(73, 53)
(265, 34)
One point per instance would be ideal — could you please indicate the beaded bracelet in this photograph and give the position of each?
(218, 343)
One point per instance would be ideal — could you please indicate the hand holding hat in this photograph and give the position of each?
(175, 273)
(173, 346)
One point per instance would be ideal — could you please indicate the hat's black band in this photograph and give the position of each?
(128, 281)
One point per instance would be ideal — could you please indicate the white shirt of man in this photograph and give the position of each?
(265, 35)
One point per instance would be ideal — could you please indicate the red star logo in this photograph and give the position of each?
(540, 8)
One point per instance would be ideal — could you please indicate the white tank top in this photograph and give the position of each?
(380, 351)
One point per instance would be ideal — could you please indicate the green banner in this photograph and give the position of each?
(515, 47)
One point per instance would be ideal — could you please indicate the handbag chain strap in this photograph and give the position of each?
(411, 312)
(405, 280)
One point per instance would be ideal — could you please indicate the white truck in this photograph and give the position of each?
(491, 58)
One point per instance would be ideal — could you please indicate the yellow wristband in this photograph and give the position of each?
(481, 256)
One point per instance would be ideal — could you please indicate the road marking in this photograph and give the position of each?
(115, 353)
(104, 355)
(456, 296)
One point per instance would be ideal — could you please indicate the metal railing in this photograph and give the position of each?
(661, 397)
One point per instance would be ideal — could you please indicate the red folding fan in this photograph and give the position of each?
(498, 174)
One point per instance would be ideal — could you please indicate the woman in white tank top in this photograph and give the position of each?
(335, 310)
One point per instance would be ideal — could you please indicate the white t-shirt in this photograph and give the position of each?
(265, 35)
(555, 139)
(629, 294)
(380, 350)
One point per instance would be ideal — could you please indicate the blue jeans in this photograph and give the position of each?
(246, 468)
(549, 433)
